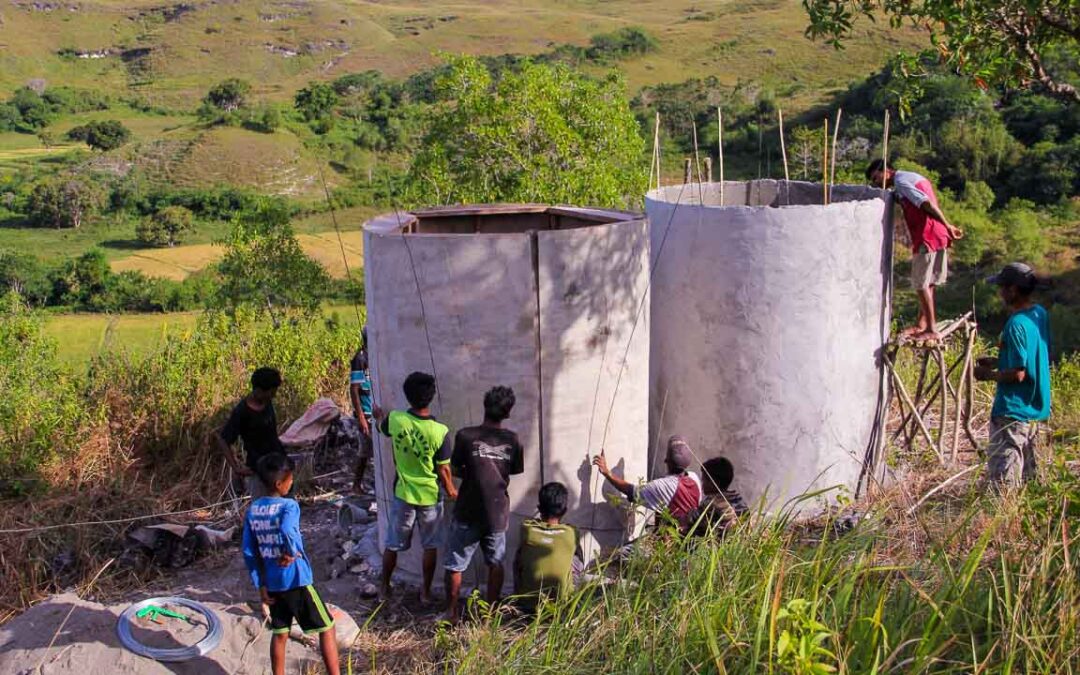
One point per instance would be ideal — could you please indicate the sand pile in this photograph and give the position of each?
(86, 642)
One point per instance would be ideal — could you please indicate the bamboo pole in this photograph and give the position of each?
(943, 421)
(910, 437)
(654, 168)
(899, 384)
(885, 152)
(835, 136)
(697, 163)
(783, 147)
(957, 423)
(973, 332)
(825, 165)
(720, 148)
(659, 157)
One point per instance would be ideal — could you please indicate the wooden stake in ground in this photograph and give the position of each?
(835, 136)
(720, 148)
(825, 165)
(783, 148)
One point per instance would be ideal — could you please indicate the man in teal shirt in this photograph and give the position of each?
(1022, 373)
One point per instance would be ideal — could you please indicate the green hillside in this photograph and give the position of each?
(169, 54)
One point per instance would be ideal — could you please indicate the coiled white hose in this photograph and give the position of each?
(200, 648)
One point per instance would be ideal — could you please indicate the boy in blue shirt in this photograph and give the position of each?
(1022, 373)
(275, 558)
(360, 395)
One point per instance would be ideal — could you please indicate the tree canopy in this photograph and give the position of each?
(63, 202)
(104, 135)
(229, 95)
(265, 266)
(1025, 43)
(537, 133)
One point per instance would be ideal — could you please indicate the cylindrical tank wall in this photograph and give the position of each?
(768, 315)
(541, 300)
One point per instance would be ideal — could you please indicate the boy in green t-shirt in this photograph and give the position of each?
(545, 557)
(422, 451)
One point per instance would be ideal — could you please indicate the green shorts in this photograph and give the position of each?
(303, 605)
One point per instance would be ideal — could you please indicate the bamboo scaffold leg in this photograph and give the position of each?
(949, 389)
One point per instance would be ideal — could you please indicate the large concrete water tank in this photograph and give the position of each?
(541, 299)
(769, 310)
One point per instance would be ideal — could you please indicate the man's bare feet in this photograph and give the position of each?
(426, 600)
(385, 592)
(926, 336)
(911, 331)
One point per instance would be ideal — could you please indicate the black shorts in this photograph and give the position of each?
(302, 604)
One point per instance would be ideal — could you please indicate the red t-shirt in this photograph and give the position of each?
(914, 190)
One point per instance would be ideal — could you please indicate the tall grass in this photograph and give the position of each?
(967, 582)
(994, 590)
(137, 440)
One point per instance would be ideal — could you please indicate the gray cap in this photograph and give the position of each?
(679, 454)
(1015, 274)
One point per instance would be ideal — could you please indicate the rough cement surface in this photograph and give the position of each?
(593, 286)
(86, 642)
(550, 323)
(766, 327)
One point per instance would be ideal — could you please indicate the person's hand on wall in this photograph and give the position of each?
(600, 462)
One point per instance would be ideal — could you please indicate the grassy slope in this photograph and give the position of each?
(734, 39)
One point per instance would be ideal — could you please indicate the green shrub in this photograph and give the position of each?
(42, 409)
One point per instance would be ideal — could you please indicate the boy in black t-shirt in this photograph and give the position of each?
(485, 457)
(255, 421)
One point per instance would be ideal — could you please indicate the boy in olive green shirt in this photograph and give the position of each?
(548, 552)
(422, 450)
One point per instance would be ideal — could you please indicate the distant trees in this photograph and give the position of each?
(995, 42)
(64, 202)
(537, 133)
(30, 110)
(104, 135)
(166, 227)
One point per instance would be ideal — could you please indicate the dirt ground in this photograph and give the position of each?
(68, 634)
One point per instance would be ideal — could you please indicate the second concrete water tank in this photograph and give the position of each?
(768, 313)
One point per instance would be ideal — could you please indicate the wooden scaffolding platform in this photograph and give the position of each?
(919, 419)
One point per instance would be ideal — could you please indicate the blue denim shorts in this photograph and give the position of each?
(405, 517)
(463, 540)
